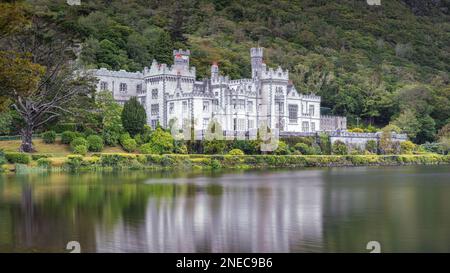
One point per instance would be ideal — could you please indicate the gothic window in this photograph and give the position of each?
(293, 113)
(241, 124)
(103, 86)
(205, 123)
(139, 89)
(123, 87)
(313, 127)
(154, 94)
(305, 126)
(250, 106)
(311, 110)
(279, 107)
(154, 109)
(142, 101)
(171, 107)
(205, 106)
(238, 104)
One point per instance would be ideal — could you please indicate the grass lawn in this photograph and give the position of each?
(57, 148)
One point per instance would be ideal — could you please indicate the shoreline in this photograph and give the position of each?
(127, 162)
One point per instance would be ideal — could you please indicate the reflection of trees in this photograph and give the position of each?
(52, 210)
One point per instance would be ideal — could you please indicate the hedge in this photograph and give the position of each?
(16, 157)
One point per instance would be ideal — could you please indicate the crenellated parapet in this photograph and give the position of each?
(164, 69)
(103, 72)
(274, 73)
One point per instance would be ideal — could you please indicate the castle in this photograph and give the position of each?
(172, 96)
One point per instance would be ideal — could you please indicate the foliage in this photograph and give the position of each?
(282, 149)
(236, 152)
(20, 158)
(407, 147)
(356, 130)
(214, 146)
(44, 162)
(2, 157)
(95, 143)
(80, 149)
(49, 137)
(79, 141)
(68, 136)
(110, 112)
(133, 117)
(147, 148)
(372, 146)
(304, 149)
(161, 141)
(339, 148)
(129, 145)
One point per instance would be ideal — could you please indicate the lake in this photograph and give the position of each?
(405, 209)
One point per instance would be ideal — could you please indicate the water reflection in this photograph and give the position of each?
(318, 210)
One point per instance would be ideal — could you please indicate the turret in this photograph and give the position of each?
(214, 70)
(256, 54)
(181, 59)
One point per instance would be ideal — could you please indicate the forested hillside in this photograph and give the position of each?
(387, 63)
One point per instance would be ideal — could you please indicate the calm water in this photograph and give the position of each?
(406, 209)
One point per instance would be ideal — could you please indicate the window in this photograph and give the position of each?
(279, 107)
(215, 105)
(251, 124)
(139, 89)
(154, 123)
(305, 126)
(154, 109)
(171, 107)
(205, 123)
(313, 127)
(185, 107)
(241, 124)
(142, 101)
(123, 87)
(238, 104)
(311, 110)
(205, 106)
(250, 106)
(293, 113)
(154, 94)
(103, 86)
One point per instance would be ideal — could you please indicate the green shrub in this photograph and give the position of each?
(49, 137)
(407, 147)
(74, 161)
(111, 137)
(80, 149)
(67, 137)
(44, 162)
(214, 146)
(180, 149)
(138, 139)
(62, 127)
(356, 130)
(129, 145)
(95, 143)
(215, 164)
(147, 149)
(236, 152)
(282, 149)
(133, 116)
(339, 148)
(15, 157)
(372, 146)
(304, 149)
(88, 131)
(161, 141)
(78, 141)
(124, 137)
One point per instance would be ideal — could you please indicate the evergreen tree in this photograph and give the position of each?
(133, 117)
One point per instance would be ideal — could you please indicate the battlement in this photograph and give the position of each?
(119, 74)
(256, 52)
(276, 74)
(310, 97)
(181, 52)
(174, 70)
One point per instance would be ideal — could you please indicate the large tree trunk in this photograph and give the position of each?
(27, 141)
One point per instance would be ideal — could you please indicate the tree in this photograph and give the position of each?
(40, 78)
(408, 122)
(161, 141)
(133, 117)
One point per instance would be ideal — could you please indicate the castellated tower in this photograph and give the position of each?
(256, 54)
(214, 70)
(181, 59)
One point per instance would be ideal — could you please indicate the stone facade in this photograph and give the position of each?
(333, 123)
(171, 95)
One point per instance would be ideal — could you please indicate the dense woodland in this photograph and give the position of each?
(374, 64)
